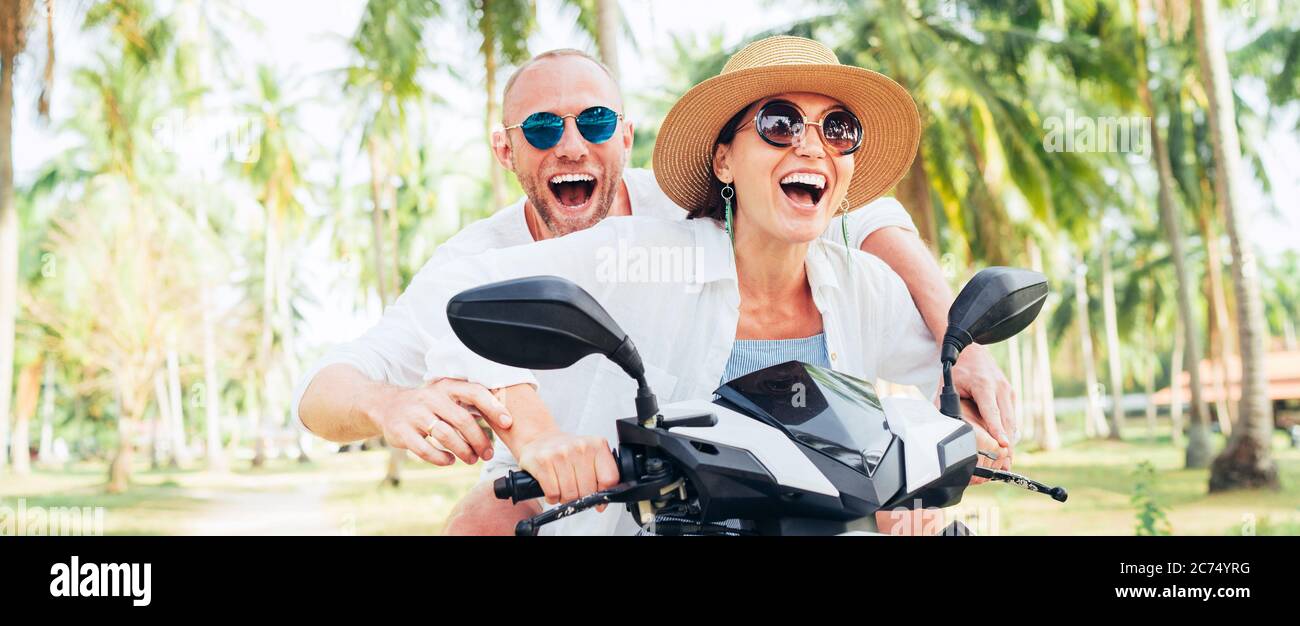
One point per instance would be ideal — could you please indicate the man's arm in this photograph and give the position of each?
(976, 375)
(374, 385)
(342, 404)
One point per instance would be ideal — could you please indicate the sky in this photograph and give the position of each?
(306, 38)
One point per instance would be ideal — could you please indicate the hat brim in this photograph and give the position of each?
(683, 153)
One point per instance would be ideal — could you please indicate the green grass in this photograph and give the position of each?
(1100, 478)
(341, 494)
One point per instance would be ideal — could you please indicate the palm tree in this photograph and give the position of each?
(391, 53)
(114, 245)
(608, 19)
(1198, 444)
(1094, 423)
(602, 20)
(1045, 430)
(1111, 322)
(389, 45)
(124, 288)
(1283, 297)
(1247, 460)
(276, 179)
(504, 26)
(15, 20)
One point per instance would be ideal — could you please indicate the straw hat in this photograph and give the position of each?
(891, 128)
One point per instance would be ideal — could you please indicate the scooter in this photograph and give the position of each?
(793, 449)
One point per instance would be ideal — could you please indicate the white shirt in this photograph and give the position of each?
(680, 305)
(393, 350)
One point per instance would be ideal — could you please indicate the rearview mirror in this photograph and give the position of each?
(540, 322)
(997, 303)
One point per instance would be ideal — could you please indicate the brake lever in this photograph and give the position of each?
(631, 491)
(1057, 493)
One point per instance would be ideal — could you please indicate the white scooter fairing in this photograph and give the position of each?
(822, 450)
(799, 442)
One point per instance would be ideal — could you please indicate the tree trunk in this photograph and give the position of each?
(393, 475)
(1149, 388)
(1152, 361)
(1220, 339)
(377, 217)
(1048, 437)
(256, 394)
(289, 352)
(914, 194)
(29, 390)
(1289, 334)
(216, 455)
(493, 115)
(180, 447)
(266, 360)
(158, 445)
(1112, 340)
(119, 470)
(1247, 460)
(45, 451)
(1176, 363)
(130, 411)
(607, 23)
(1198, 438)
(8, 241)
(1029, 400)
(1094, 423)
(394, 227)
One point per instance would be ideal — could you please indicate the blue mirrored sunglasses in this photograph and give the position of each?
(544, 129)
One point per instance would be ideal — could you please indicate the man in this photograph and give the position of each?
(374, 385)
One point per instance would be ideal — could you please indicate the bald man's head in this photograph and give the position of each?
(572, 184)
(558, 53)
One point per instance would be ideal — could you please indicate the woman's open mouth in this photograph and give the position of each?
(572, 191)
(804, 189)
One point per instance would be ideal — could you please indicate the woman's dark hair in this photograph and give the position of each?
(713, 207)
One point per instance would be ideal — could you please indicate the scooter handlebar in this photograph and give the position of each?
(517, 486)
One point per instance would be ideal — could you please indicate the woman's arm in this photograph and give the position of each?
(567, 466)
(976, 375)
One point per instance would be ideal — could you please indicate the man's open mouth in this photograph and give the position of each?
(572, 190)
(803, 188)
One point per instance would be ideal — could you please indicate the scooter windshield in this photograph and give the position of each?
(836, 414)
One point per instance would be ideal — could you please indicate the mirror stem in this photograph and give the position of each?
(954, 340)
(647, 406)
(949, 403)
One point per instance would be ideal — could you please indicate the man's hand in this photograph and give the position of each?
(441, 410)
(569, 467)
(978, 377)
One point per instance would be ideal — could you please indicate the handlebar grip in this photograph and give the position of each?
(517, 486)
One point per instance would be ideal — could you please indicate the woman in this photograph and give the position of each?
(763, 156)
